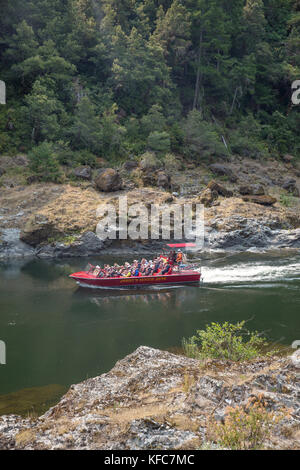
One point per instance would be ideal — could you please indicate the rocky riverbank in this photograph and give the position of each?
(248, 205)
(153, 399)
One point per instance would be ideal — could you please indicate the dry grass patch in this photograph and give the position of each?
(25, 437)
(126, 415)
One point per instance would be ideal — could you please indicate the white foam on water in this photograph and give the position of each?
(251, 273)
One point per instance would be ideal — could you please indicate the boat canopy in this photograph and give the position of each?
(181, 245)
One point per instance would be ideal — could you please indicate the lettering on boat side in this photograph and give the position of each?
(141, 221)
(136, 279)
(2, 352)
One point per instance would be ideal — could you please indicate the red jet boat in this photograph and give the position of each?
(180, 275)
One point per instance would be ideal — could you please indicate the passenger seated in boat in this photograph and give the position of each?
(96, 271)
(172, 258)
(149, 268)
(156, 266)
(166, 269)
(179, 257)
(148, 271)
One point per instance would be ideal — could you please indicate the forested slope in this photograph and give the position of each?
(115, 78)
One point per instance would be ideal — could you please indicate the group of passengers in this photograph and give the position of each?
(163, 265)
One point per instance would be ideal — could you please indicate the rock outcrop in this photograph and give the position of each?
(87, 244)
(39, 229)
(207, 197)
(153, 399)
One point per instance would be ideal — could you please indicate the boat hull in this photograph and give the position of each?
(89, 280)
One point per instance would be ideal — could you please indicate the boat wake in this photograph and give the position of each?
(251, 272)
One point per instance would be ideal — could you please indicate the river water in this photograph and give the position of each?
(57, 333)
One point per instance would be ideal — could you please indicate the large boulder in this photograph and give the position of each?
(83, 172)
(220, 189)
(223, 170)
(108, 180)
(262, 200)
(130, 165)
(252, 189)
(163, 180)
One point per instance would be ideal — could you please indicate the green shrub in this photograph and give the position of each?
(171, 162)
(43, 163)
(286, 200)
(227, 341)
(149, 160)
(247, 146)
(84, 157)
(159, 142)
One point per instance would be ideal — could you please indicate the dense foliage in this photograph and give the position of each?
(114, 78)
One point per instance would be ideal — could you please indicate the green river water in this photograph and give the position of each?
(57, 333)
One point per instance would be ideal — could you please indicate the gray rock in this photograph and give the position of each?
(163, 180)
(148, 434)
(291, 186)
(83, 172)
